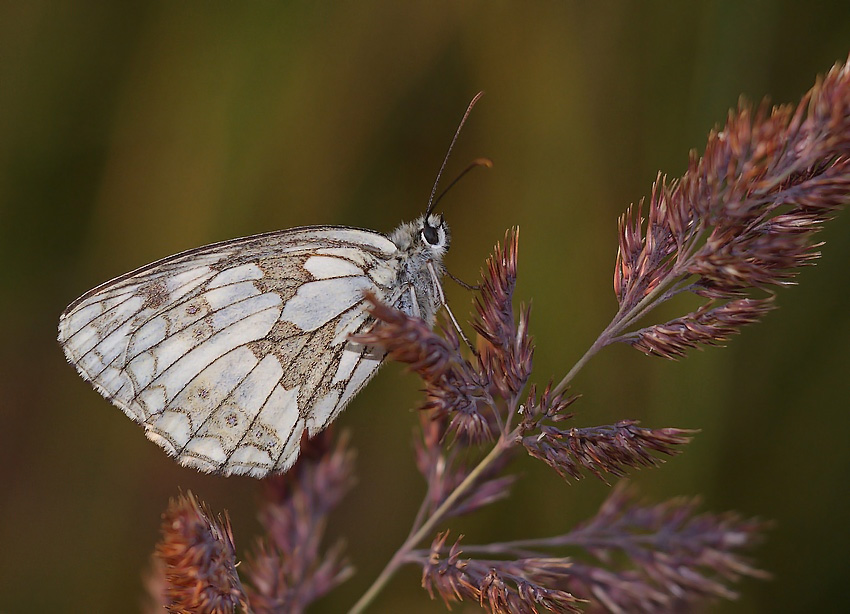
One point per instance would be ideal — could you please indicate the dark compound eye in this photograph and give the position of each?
(430, 234)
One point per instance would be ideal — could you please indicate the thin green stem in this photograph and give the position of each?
(637, 315)
(513, 404)
(590, 353)
(622, 320)
(428, 526)
(423, 509)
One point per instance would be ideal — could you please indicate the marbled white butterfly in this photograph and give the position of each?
(229, 353)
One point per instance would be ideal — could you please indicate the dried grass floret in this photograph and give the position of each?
(198, 559)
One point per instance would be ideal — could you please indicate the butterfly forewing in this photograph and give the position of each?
(229, 353)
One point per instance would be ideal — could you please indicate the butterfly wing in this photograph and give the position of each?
(228, 353)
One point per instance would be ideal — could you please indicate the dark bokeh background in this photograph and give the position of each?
(132, 131)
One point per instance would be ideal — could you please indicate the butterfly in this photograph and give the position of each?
(227, 354)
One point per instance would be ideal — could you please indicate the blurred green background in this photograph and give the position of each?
(132, 131)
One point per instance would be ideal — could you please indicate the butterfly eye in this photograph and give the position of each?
(430, 234)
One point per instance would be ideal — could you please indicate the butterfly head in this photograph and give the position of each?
(434, 234)
(426, 236)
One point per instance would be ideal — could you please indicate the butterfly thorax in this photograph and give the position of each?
(422, 244)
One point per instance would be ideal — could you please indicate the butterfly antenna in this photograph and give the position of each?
(431, 202)
(485, 162)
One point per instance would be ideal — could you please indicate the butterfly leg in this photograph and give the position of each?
(414, 303)
(442, 298)
(462, 283)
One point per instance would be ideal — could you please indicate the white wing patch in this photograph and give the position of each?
(326, 267)
(317, 302)
(228, 354)
(236, 274)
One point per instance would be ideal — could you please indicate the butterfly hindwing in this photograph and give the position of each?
(228, 353)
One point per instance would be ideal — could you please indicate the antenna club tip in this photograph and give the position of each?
(485, 162)
(472, 102)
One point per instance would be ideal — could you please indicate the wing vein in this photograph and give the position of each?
(196, 429)
(216, 359)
